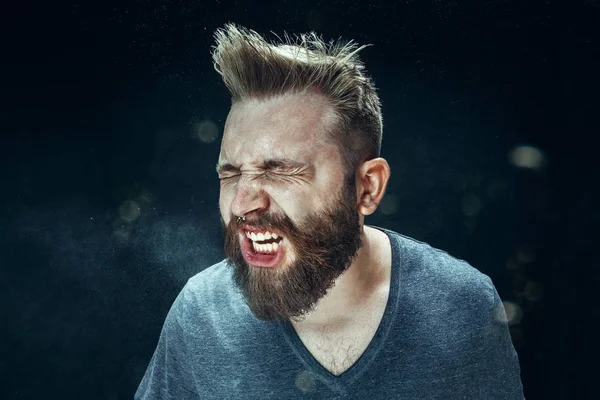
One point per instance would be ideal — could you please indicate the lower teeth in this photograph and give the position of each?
(263, 251)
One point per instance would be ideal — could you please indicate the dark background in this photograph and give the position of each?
(111, 118)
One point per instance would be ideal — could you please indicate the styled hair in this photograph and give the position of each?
(251, 67)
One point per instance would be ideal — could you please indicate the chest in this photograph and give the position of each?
(338, 352)
(339, 347)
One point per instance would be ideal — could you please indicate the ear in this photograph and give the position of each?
(372, 178)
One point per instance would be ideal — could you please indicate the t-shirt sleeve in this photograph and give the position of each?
(500, 374)
(169, 374)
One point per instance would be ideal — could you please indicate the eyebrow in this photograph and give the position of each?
(267, 165)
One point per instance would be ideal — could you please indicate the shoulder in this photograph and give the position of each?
(209, 283)
(442, 286)
(207, 296)
(425, 263)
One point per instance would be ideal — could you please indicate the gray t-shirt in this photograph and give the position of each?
(443, 335)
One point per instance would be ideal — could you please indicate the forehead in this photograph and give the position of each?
(290, 126)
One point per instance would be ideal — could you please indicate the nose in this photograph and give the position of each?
(250, 196)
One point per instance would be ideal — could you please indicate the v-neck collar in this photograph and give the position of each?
(339, 382)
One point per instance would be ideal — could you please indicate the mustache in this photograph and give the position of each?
(306, 241)
(267, 222)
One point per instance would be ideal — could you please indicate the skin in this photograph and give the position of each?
(333, 265)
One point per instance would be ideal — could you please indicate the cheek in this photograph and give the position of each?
(295, 205)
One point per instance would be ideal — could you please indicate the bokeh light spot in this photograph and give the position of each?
(526, 254)
(513, 313)
(146, 197)
(519, 282)
(512, 264)
(129, 210)
(470, 225)
(527, 157)
(389, 204)
(121, 235)
(533, 291)
(205, 131)
(471, 205)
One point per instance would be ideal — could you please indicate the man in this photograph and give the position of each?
(311, 302)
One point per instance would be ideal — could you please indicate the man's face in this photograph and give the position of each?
(310, 204)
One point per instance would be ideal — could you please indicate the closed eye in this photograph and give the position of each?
(281, 177)
(221, 178)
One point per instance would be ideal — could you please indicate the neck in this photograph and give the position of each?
(357, 285)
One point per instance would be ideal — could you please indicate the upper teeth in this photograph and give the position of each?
(261, 236)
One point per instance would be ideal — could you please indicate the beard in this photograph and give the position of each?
(325, 243)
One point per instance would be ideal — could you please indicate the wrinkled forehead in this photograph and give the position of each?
(287, 126)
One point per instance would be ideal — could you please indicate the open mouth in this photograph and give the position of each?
(264, 243)
(262, 250)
